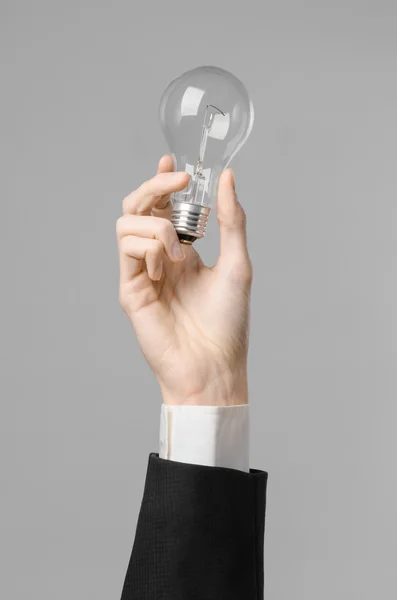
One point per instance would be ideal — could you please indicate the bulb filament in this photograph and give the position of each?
(209, 115)
(198, 179)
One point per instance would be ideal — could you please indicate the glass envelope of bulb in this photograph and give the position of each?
(206, 116)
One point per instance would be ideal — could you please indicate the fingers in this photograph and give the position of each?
(143, 199)
(146, 230)
(234, 258)
(155, 228)
(146, 238)
(134, 250)
(163, 207)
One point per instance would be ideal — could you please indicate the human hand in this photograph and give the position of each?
(191, 321)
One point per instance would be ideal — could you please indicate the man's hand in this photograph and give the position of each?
(191, 321)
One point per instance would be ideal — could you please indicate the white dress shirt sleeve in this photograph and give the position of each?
(206, 435)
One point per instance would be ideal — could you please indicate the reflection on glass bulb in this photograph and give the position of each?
(206, 116)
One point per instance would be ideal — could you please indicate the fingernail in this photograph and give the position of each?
(158, 271)
(177, 251)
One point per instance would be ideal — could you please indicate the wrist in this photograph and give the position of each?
(231, 391)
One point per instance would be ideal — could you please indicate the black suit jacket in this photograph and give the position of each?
(199, 535)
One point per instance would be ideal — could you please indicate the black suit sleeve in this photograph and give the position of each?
(199, 535)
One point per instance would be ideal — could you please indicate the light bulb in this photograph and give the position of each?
(206, 116)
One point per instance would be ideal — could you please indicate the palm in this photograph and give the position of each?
(198, 319)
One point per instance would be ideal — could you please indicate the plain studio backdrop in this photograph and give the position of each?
(80, 86)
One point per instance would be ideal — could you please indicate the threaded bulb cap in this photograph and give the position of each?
(189, 220)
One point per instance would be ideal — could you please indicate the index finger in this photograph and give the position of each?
(143, 199)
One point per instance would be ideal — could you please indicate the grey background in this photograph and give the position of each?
(80, 85)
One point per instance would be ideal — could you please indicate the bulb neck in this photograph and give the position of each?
(189, 220)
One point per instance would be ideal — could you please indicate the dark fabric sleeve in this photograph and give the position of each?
(199, 535)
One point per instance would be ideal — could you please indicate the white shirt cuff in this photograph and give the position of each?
(216, 436)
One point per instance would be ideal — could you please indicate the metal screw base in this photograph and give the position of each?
(189, 220)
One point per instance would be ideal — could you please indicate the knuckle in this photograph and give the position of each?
(124, 244)
(234, 217)
(119, 226)
(156, 247)
(145, 187)
(142, 187)
(125, 204)
(240, 215)
(243, 214)
(165, 227)
(123, 299)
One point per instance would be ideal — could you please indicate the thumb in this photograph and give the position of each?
(234, 258)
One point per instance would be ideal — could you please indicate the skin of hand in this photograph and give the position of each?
(191, 321)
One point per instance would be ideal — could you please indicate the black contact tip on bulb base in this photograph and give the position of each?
(185, 238)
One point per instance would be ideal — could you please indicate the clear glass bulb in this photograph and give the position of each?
(206, 116)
